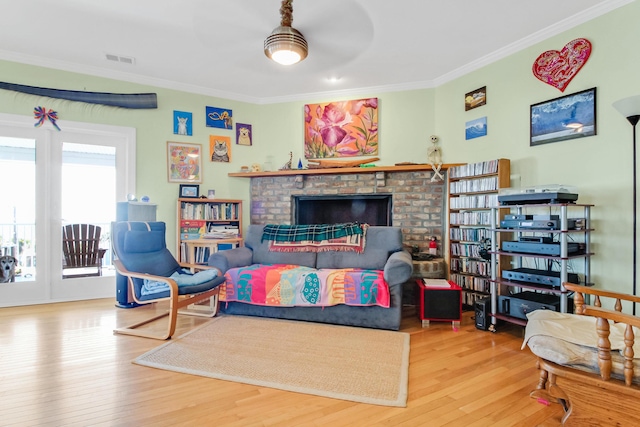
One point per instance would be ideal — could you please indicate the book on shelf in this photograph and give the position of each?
(192, 226)
(222, 231)
(480, 168)
(221, 234)
(190, 236)
(191, 229)
(209, 211)
(436, 283)
(477, 185)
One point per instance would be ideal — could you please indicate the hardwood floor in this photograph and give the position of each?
(61, 365)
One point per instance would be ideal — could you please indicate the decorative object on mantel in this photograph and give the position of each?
(255, 167)
(558, 68)
(124, 100)
(341, 129)
(41, 114)
(630, 108)
(287, 166)
(434, 155)
(320, 164)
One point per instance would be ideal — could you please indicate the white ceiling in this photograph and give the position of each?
(215, 47)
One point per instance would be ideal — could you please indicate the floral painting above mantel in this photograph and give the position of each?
(341, 129)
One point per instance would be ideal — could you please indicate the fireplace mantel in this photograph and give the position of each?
(340, 171)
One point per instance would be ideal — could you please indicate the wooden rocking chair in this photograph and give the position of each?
(81, 249)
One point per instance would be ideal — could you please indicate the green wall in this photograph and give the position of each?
(599, 166)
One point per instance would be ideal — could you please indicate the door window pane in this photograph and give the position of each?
(17, 208)
(89, 194)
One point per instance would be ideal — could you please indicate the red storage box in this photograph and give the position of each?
(440, 300)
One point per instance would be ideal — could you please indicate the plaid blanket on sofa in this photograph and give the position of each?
(316, 237)
(314, 232)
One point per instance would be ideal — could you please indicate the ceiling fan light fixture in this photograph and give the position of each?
(286, 45)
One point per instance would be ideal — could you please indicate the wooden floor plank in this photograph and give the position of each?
(61, 364)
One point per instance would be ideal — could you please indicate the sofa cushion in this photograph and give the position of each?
(380, 243)
(262, 254)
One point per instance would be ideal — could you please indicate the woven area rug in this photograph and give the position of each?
(341, 362)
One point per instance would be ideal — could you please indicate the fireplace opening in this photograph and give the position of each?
(372, 209)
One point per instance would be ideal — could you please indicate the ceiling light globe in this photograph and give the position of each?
(285, 57)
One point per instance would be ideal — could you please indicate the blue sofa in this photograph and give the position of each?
(383, 251)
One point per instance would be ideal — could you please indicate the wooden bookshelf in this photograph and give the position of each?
(473, 191)
(200, 221)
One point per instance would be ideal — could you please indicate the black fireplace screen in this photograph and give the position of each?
(370, 209)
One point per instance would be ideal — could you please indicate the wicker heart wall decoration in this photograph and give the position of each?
(558, 68)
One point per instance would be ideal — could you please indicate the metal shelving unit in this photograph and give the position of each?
(562, 236)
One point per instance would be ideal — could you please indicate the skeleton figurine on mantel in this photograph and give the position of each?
(434, 156)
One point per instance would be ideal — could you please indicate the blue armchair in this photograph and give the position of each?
(154, 275)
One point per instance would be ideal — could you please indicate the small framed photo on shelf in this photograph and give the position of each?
(189, 190)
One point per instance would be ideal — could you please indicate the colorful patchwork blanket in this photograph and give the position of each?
(293, 285)
(316, 237)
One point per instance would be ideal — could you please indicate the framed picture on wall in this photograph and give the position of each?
(341, 129)
(184, 162)
(244, 134)
(189, 190)
(220, 148)
(475, 128)
(219, 118)
(567, 117)
(182, 123)
(475, 98)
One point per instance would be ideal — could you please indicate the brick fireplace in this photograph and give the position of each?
(417, 203)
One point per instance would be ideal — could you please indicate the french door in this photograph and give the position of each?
(53, 178)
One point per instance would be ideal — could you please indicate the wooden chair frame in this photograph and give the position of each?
(595, 399)
(176, 303)
(81, 248)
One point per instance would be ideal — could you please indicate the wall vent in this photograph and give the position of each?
(124, 59)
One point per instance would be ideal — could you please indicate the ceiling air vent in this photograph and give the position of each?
(124, 59)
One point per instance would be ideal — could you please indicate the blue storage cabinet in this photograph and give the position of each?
(130, 211)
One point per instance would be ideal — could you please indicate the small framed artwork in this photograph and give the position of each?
(219, 118)
(189, 190)
(476, 128)
(184, 162)
(475, 98)
(182, 123)
(220, 148)
(567, 117)
(244, 135)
